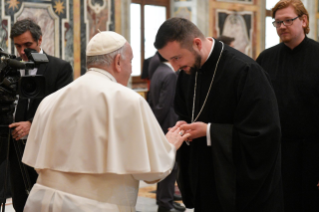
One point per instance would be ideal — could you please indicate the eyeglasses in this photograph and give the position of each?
(287, 22)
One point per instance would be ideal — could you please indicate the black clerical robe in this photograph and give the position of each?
(240, 171)
(295, 78)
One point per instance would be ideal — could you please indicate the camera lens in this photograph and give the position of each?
(32, 87)
(29, 87)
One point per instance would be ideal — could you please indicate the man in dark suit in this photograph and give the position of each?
(161, 99)
(58, 73)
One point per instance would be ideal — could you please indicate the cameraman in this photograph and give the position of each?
(58, 73)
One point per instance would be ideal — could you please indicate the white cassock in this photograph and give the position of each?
(91, 142)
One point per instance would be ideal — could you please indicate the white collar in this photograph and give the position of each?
(169, 65)
(104, 72)
(211, 50)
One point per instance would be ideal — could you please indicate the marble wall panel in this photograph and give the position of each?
(183, 12)
(185, 9)
(44, 19)
(98, 15)
(68, 34)
(238, 1)
(67, 25)
(4, 35)
(48, 14)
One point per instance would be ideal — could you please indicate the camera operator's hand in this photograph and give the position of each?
(20, 130)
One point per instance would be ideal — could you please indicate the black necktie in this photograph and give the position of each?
(22, 109)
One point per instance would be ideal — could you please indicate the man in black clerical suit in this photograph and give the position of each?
(293, 67)
(225, 99)
(58, 73)
(161, 99)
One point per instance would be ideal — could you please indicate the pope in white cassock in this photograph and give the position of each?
(92, 141)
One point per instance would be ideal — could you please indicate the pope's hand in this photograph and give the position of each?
(175, 137)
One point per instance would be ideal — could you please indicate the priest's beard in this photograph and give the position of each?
(196, 66)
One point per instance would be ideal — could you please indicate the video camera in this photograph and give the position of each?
(12, 83)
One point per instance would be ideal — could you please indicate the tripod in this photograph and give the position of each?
(24, 173)
(3, 197)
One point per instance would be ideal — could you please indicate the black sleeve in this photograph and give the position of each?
(256, 133)
(65, 76)
(182, 95)
(166, 98)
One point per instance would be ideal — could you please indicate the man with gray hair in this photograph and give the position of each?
(92, 141)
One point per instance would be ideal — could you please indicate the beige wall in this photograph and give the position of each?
(242, 20)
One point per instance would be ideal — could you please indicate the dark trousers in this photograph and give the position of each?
(18, 188)
(300, 174)
(166, 189)
(2, 180)
(3, 167)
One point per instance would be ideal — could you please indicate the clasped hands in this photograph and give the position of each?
(182, 131)
(195, 129)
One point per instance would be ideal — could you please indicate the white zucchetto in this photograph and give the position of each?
(104, 43)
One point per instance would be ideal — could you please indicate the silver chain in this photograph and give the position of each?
(210, 87)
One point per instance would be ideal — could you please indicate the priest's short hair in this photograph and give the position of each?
(177, 29)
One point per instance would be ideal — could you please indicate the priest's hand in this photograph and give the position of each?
(196, 130)
(180, 123)
(20, 130)
(175, 137)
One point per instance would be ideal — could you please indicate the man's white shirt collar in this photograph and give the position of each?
(169, 65)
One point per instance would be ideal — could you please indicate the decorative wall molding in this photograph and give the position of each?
(5, 32)
(238, 25)
(96, 6)
(203, 16)
(64, 37)
(125, 18)
(311, 8)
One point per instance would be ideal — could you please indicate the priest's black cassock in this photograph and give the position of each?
(295, 78)
(240, 171)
